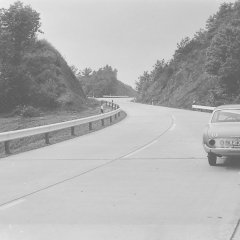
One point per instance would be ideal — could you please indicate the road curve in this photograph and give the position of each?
(145, 178)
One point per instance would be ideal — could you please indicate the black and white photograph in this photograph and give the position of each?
(120, 120)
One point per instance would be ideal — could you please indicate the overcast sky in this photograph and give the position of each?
(129, 35)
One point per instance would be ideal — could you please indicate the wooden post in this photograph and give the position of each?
(102, 120)
(7, 147)
(47, 138)
(110, 120)
(119, 114)
(115, 116)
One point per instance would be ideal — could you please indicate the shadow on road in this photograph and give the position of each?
(231, 163)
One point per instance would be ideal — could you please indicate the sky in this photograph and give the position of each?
(129, 35)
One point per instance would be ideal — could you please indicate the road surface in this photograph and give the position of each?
(145, 178)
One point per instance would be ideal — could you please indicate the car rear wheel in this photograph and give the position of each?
(212, 159)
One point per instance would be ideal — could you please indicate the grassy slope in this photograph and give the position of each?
(52, 80)
(37, 141)
(18, 122)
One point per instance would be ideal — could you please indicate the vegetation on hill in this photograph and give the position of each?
(103, 82)
(32, 72)
(205, 69)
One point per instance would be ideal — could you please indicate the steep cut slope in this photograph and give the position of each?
(51, 80)
(203, 70)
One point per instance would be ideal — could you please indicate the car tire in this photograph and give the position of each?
(212, 159)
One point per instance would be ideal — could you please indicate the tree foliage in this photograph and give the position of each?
(32, 72)
(103, 82)
(205, 68)
(86, 72)
(19, 26)
(223, 57)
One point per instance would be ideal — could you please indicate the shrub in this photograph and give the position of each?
(27, 111)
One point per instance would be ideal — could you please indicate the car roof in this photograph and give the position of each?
(229, 106)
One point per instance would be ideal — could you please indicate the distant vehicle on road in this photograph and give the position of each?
(222, 134)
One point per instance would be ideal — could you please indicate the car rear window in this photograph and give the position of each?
(230, 115)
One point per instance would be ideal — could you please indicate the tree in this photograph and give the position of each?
(223, 58)
(185, 46)
(223, 16)
(158, 69)
(143, 83)
(75, 70)
(19, 25)
(86, 72)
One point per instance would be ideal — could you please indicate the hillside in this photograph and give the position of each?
(54, 83)
(32, 72)
(104, 82)
(204, 70)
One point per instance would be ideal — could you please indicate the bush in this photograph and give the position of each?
(92, 102)
(27, 111)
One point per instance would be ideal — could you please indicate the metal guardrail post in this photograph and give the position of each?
(7, 137)
(7, 147)
(72, 131)
(90, 126)
(47, 138)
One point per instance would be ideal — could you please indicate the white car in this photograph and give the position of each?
(222, 134)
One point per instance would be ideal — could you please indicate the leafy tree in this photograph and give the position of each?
(143, 84)
(86, 72)
(206, 67)
(19, 26)
(223, 16)
(158, 69)
(75, 70)
(223, 57)
(103, 82)
(186, 46)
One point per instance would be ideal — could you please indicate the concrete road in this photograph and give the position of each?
(145, 178)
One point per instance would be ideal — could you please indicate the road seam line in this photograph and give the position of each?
(12, 203)
(90, 170)
(153, 141)
(235, 230)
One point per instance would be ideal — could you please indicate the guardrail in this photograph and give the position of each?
(109, 96)
(6, 137)
(203, 108)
